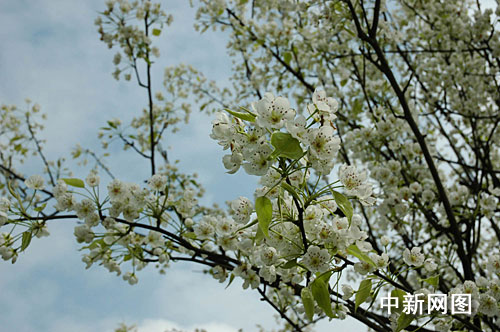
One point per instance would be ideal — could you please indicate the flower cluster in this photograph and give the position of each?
(135, 42)
(307, 231)
(250, 142)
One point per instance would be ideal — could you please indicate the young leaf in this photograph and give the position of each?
(250, 224)
(291, 263)
(189, 235)
(41, 207)
(285, 145)
(290, 189)
(404, 321)
(400, 294)
(433, 281)
(156, 32)
(357, 106)
(74, 182)
(25, 242)
(112, 124)
(365, 287)
(354, 251)
(264, 209)
(231, 278)
(259, 236)
(308, 302)
(242, 116)
(137, 252)
(319, 288)
(287, 56)
(344, 204)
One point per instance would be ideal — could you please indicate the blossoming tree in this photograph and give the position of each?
(372, 125)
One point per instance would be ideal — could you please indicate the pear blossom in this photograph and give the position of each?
(316, 259)
(158, 182)
(92, 179)
(272, 113)
(241, 209)
(35, 182)
(347, 291)
(4, 218)
(326, 106)
(413, 257)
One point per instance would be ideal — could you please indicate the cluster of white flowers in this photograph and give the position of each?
(136, 44)
(9, 214)
(253, 138)
(6, 250)
(6, 240)
(485, 296)
(249, 141)
(4, 208)
(106, 222)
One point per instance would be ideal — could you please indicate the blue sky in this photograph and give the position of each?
(51, 53)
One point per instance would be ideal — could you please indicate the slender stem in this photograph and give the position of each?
(150, 101)
(39, 149)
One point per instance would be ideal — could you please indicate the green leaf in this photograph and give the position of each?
(93, 245)
(41, 207)
(112, 124)
(290, 189)
(308, 302)
(349, 31)
(75, 155)
(291, 263)
(189, 235)
(285, 145)
(319, 288)
(250, 224)
(243, 116)
(354, 251)
(287, 57)
(433, 281)
(400, 294)
(264, 209)
(231, 279)
(25, 242)
(137, 252)
(259, 236)
(404, 321)
(202, 107)
(74, 182)
(344, 204)
(15, 138)
(365, 287)
(357, 106)
(156, 32)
